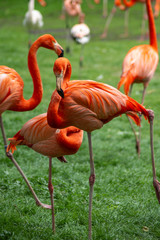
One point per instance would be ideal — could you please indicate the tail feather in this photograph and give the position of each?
(134, 117)
(134, 106)
(127, 80)
(16, 140)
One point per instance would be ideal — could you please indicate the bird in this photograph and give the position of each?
(72, 8)
(117, 4)
(88, 105)
(33, 19)
(81, 34)
(11, 84)
(51, 142)
(139, 64)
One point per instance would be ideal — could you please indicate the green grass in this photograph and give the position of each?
(124, 202)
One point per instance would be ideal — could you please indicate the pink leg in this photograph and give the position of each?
(139, 140)
(3, 133)
(136, 137)
(156, 184)
(91, 183)
(50, 186)
(109, 19)
(10, 155)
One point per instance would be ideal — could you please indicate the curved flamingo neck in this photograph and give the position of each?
(70, 138)
(31, 6)
(26, 105)
(152, 28)
(54, 117)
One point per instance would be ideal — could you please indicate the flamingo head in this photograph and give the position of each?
(48, 41)
(62, 71)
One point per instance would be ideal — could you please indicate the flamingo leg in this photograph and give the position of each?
(140, 116)
(135, 134)
(50, 186)
(156, 183)
(10, 156)
(81, 56)
(105, 8)
(109, 19)
(91, 184)
(67, 35)
(126, 17)
(143, 23)
(3, 133)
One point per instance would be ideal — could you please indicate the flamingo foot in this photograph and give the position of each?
(103, 35)
(62, 159)
(46, 206)
(156, 185)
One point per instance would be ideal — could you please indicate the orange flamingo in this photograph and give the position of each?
(117, 4)
(11, 84)
(140, 64)
(88, 105)
(51, 142)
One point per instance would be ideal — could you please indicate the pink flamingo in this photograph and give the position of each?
(11, 90)
(140, 64)
(51, 142)
(89, 105)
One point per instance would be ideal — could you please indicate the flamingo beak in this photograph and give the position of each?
(59, 80)
(58, 49)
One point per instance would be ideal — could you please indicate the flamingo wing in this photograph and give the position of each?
(11, 88)
(139, 66)
(89, 104)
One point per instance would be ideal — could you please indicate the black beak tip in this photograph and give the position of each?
(62, 53)
(61, 93)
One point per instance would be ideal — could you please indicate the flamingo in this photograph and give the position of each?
(117, 4)
(140, 64)
(33, 18)
(81, 34)
(11, 84)
(72, 8)
(88, 105)
(51, 142)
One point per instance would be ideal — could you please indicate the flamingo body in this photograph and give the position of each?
(11, 88)
(139, 66)
(80, 33)
(72, 7)
(87, 104)
(33, 20)
(51, 142)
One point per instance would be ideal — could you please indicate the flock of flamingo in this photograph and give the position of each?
(77, 105)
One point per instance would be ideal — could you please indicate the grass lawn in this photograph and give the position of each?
(124, 202)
